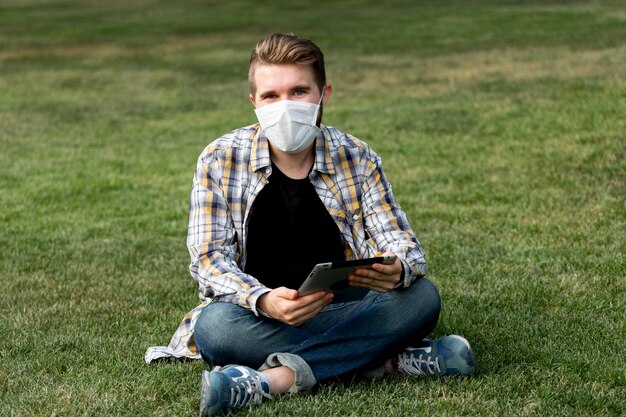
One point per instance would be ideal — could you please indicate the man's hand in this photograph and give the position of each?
(380, 278)
(283, 304)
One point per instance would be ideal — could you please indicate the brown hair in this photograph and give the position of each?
(281, 49)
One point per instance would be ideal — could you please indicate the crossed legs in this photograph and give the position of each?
(343, 338)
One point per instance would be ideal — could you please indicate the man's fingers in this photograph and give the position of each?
(371, 276)
(381, 285)
(314, 304)
(304, 312)
(381, 277)
(386, 269)
(375, 286)
(314, 296)
(284, 292)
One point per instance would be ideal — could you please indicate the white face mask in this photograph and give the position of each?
(289, 125)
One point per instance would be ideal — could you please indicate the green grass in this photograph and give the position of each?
(501, 125)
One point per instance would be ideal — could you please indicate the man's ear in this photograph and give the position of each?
(328, 91)
(251, 97)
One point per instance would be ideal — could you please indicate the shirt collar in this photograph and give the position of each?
(323, 161)
(260, 157)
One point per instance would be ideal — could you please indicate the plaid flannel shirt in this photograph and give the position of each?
(347, 176)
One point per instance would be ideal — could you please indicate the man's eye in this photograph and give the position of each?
(298, 93)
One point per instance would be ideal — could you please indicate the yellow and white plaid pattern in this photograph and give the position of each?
(347, 176)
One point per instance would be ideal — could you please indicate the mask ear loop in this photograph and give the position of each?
(319, 105)
(321, 96)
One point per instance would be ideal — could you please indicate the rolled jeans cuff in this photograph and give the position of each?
(304, 379)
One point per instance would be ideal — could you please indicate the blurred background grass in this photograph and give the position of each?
(500, 124)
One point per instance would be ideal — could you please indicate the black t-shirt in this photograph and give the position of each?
(289, 231)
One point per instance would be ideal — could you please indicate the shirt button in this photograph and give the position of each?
(355, 217)
(267, 170)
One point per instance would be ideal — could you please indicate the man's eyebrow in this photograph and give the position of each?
(267, 93)
(304, 87)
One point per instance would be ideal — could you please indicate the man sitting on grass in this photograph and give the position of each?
(271, 200)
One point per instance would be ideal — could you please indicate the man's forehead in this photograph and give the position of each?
(275, 76)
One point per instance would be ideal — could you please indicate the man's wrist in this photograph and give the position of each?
(259, 306)
(263, 313)
(400, 283)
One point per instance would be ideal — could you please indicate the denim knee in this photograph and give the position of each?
(211, 332)
(432, 297)
(430, 305)
(420, 305)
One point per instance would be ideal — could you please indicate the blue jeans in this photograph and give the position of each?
(341, 339)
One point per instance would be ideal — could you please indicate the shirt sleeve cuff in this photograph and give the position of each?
(252, 296)
(408, 276)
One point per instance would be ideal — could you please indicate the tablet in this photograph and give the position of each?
(333, 276)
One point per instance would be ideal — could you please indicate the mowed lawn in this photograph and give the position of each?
(501, 125)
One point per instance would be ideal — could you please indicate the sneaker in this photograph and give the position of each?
(450, 355)
(231, 388)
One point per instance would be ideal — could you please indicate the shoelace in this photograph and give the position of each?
(248, 391)
(412, 365)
